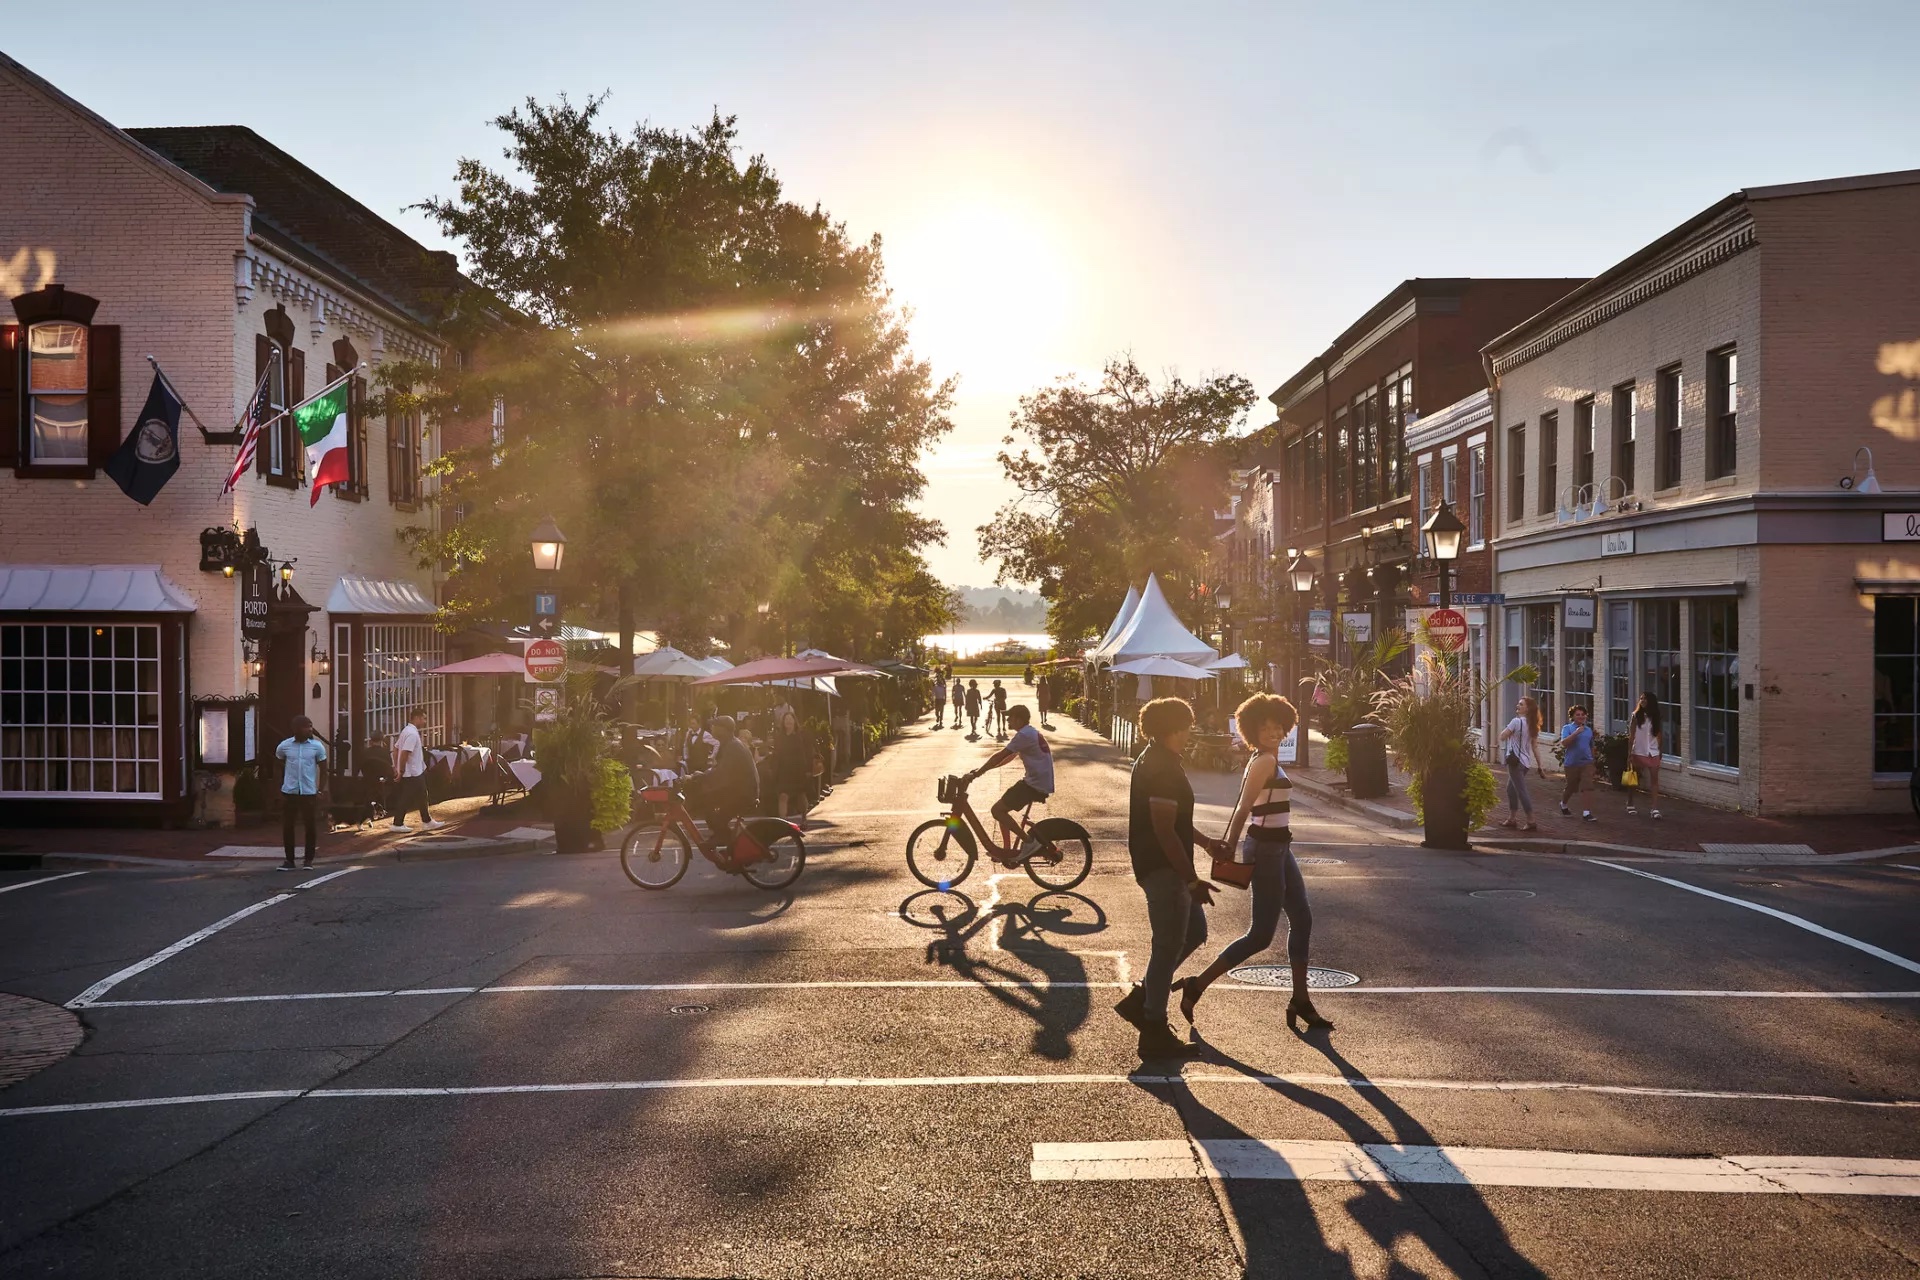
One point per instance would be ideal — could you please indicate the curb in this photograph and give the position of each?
(446, 848)
(1379, 812)
(1583, 848)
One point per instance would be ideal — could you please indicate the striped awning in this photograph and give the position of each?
(373, 595)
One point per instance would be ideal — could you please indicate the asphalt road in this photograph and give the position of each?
(863, 1078)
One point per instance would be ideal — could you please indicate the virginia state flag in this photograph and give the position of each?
(322, 422)
(150, 454)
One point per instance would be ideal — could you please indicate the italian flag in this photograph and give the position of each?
(322, 422)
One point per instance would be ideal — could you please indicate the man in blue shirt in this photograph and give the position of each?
(1577, 738)
(306, 757)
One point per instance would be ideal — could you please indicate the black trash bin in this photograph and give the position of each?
(1367, 761)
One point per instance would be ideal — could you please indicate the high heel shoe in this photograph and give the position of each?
(1301, 1008)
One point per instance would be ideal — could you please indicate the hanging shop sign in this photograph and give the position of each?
(1900, 526)
(1320, 627)
(1577, 613)
(1358, 626)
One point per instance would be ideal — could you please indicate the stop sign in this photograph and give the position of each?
(546, 660)
(1447, 630)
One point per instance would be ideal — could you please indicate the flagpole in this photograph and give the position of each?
(174, 391)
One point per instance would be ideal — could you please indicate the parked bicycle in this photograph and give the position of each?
(941, 852)
(769, 853)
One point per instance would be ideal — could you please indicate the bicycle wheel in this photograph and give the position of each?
(786, 859)
(1064, 860)
(655, 859)
(939, 856)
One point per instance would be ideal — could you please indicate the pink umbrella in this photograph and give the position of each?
(487, 664)
(762, 670)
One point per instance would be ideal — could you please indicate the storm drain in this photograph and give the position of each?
(1280, 975)
(1501, 893)
(1321, 862)
(691, 1008)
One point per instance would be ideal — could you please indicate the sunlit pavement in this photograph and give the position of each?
(527, 1067)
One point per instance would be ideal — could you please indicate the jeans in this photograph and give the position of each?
(410, 794)
(292, 807)
(1277, 887)
(1517, 797)
(1179, 926)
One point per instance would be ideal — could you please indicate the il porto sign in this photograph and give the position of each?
(546, 661)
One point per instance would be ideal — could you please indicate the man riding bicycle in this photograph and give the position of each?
(731, 789)
(1035, 784)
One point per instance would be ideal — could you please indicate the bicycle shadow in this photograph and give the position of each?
(1059, 1000)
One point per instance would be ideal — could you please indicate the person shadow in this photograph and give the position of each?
(1289, 1228)
(1058, 1000)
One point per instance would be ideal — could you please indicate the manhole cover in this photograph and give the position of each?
(1320, 862)
(691, 1008)
(1280, 975)
(1501, 893)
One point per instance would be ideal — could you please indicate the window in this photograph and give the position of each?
(1666, 426)
(1316, 474)
(1516, 473)
(1576, 675)
(279, 457)
(1582, 448)
(398, 658)
(1723, 403)
(1549, 462)
(1540, 657)
(1366, 464)
(1896, 678)
(1339, 463)
(1450, 479)
(277, 451)
(1296, 483)
(80, 710)
(1624, 417)
(1477, 500)
(1660, 666)
(57, 393)
(1619, 664)
(1423, 494)
(1399, 408)
(1716, 682)
(403, 458)
(499, 430)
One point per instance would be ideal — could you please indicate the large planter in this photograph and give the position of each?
(1443, 800)
(1614, 753)
(571, 811)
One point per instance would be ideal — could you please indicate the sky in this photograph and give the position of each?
(1209, 187)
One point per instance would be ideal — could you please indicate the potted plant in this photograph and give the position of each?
(249, 796)
(569, 753)
(1428, 714)
(1613, 754)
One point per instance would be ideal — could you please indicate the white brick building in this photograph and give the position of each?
(219, 256)
(1671, 441)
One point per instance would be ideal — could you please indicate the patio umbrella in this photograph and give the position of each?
(487, 664)
(1232, 662)
(769, 670)
(1163, 667)
(675, 666)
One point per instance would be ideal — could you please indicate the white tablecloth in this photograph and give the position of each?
(525, 771)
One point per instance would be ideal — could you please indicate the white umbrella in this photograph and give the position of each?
(648, 663)
(1163, 667)
(1232, 662)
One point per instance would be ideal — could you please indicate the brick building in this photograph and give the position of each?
(1680, 461)
(223, 258)
(1452, 454)
(1346, 476)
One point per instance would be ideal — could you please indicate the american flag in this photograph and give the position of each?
(259, 413)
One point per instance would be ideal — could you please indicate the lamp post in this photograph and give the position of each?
(1300, 577)
(549, 546)
(1442, 533)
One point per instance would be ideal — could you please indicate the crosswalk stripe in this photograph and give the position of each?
(1320, 1161)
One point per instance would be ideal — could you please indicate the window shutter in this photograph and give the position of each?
(103, 393)
(296, 392)
(10, 395)
(357, 436)
(262, 356)
(395, 426)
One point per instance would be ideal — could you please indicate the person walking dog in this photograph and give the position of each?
(306, 758)
(1264, 812)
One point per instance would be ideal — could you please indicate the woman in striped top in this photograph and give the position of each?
(1264, 720)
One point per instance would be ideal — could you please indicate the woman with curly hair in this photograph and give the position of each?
(1264, 812)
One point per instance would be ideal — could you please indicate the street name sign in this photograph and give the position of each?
(546, 661)
(1447, 630)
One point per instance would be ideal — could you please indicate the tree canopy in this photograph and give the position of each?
(706, 384)
(1116, 481)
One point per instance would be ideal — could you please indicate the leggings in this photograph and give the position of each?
(1517, 797)
(1277, 887)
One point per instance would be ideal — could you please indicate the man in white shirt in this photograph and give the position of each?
(410, 773)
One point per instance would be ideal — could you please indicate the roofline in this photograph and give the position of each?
(115, 133)
(1833, 186)
(1369, 319)
(337, 277)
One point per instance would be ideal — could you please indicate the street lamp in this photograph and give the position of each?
(1442, 533)
(549, 546)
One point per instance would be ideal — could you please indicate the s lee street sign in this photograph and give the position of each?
(1447, 630)
(546, 661)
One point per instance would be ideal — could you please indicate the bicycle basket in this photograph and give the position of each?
(949, 789)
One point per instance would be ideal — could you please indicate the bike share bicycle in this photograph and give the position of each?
(941, 852)
(769, 853)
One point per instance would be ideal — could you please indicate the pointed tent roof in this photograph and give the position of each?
(1154, 632)
(1120, 620)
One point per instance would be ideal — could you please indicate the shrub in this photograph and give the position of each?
(1480, 797)
(1337, 752)
(612, 795)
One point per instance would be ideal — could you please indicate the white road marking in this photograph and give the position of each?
(956, 984)
(989, 1082)
(262, 851)
(93, 993)
(28, 884)
(1879, 953)
(1321, 1161)
(1903, 866)
(331, 875)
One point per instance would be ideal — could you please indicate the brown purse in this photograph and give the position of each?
(1228, 872)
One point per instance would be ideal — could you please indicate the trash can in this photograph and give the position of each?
(1367, 761)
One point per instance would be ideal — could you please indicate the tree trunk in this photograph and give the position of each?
(630, 696)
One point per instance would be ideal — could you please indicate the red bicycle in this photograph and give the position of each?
(769, 853)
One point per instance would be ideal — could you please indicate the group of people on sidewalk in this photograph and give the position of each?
(969, 700)
(1519, 747)
(303, 776)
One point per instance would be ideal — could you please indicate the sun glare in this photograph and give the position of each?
(992, 291)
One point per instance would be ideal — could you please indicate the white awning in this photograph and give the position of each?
(98, 588)
(372, 595)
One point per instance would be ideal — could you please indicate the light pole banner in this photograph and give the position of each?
(1320, 627)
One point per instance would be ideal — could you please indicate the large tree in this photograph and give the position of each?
(707, 386)
(1116, 481)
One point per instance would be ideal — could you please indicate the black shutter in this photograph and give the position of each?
(10, 384)
(103, 393)
(357, 436)
(262, 357)
(296, 392)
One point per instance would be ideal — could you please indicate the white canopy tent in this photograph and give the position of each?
(1154, 632)
(1119, 622)
(1163, 667)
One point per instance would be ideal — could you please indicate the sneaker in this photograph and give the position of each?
(1656, 813)
(401, 828)
(1133, 1006)
(306, 862)
(1631, 809)
(432, 824)
(1565, 812)
(1157, 1042)
(285, 866)
(1588, 815)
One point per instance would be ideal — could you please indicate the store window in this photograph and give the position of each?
(1540, 657)
(1716, 682)
(1896, 678)
(1619, 664)
(1660, 665)
(398, 658)
(80, 711)
(1576, 681)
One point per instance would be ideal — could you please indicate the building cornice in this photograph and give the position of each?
(1373, 337)
(328, 299)
(1461, 416)
(1821, 501)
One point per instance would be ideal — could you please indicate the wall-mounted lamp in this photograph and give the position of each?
(322, 661)
(1870, 483)
(286, 570)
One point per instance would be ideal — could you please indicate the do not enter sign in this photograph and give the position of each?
(546, 660)
(1447, 630)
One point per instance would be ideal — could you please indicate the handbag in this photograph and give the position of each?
(1630, 778)
(1227, 871)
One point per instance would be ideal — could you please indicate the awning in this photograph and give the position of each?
(99, 588)
(373, 595)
